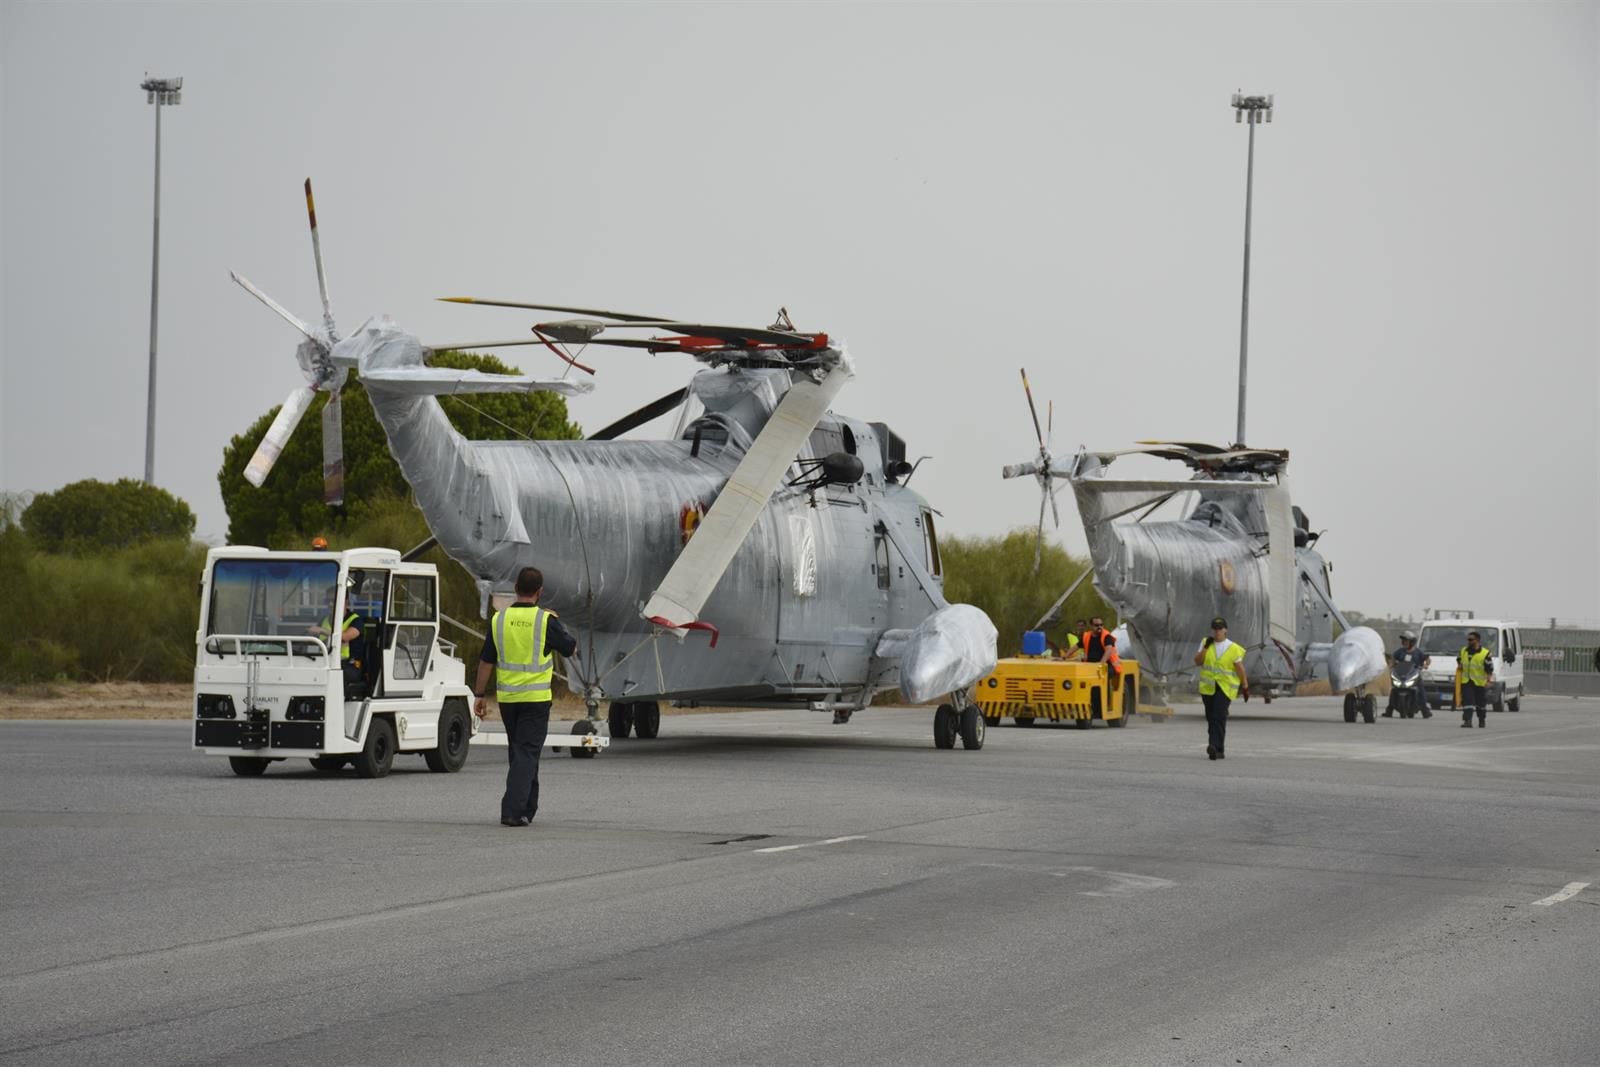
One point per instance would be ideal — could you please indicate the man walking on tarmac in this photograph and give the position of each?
(520, 652)
(1476, 671)
(1222, 678)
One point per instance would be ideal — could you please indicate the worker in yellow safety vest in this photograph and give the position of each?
(519, 652)
(1474, 669)
(1222, 678)
(349, 633)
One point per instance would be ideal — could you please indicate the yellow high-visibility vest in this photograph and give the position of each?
(523, 669)
(344, 646)
(1474, 667)
(1218, 670)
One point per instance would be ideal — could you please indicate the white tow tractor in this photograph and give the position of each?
(272, 680)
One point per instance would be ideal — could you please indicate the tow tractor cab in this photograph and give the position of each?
(272, 680)
(1443, 639)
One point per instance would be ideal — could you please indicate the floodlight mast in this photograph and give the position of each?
(1251, 109)
(162, 92)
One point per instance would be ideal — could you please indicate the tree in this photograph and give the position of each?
(996, 574)
(92, 515)
(289, 507)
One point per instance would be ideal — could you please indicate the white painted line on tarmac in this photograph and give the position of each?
(1571, 890)
(811, 844)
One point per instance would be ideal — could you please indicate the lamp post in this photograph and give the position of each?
(160, 92)
(1252, 110)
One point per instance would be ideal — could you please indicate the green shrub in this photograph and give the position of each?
(92, 516)
(996, 574)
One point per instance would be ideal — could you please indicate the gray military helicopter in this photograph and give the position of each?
(1238, 548)
(768, 554)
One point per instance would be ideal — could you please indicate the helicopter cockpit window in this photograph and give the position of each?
(826, 440)
(931, 543)
(705, 433)
(849, 438)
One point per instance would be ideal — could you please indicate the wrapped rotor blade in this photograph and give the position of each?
(282, 312)
(322, 279)
(703, 561)
(1055, 513)
(332, 452)
(448, 381)
(1017, 470)
(278, 434)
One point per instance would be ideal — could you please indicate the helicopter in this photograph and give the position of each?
(1239, 549)
(769, 553)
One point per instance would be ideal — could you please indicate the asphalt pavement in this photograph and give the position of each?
(771, 888)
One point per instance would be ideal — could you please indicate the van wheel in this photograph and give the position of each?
(455, 736)
(248, 766)
(377, 756)
(1514, 704)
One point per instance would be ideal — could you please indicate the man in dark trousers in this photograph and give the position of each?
(520, 653)
(1222, 678)
(1475, 668)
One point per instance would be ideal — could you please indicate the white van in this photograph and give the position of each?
(1443, 639)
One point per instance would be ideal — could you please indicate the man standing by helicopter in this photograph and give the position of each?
(1222, 678)
(520, 652)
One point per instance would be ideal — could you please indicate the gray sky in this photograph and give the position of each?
(954, 190)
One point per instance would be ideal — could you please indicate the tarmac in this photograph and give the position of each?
(771, 888)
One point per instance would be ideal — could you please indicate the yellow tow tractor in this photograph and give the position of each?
(1038, 685)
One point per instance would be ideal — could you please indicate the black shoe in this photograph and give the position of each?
(1221, 754)
(1426, 714)
(1211, 753)
(1481, 724)
(521, 820)
(1388, 714)
(1466, 724)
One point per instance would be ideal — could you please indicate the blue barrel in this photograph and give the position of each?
(1033, 643)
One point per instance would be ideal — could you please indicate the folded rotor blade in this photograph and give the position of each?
(1038, 542)
(332, 452)
(278, 434)
(1055, 514)
(1017, 470)
(322, 280)
(620, 316)
(652, 410)
(1033, 411)
(692, 578)
(274, 305)
(448, 381)
(1049, 425)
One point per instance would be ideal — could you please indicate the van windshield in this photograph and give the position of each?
(269, 597)
(1448, 640)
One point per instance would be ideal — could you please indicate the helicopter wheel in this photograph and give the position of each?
(646, 719)
(1349, 707)
(973, 727)
(620, 719)
(945, 726)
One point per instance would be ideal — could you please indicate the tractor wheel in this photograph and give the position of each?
(328, 764)
(248, 766)
(455, 735)
(377, 756)
(583, 726)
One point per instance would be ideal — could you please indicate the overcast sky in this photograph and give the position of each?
(955, 190)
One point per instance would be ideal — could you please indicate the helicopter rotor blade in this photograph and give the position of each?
(332, 452)
(1049, 425)
(620, 316)
(322, 279)
(448, 381)
(1038, 543)
(693, 577)
(281, 311)
(1033, 411)
(654, 409)
(1055, 514)
(278, 434)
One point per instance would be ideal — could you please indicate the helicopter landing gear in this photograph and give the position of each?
(1363, 704)
(620, 719)
(959, 718)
